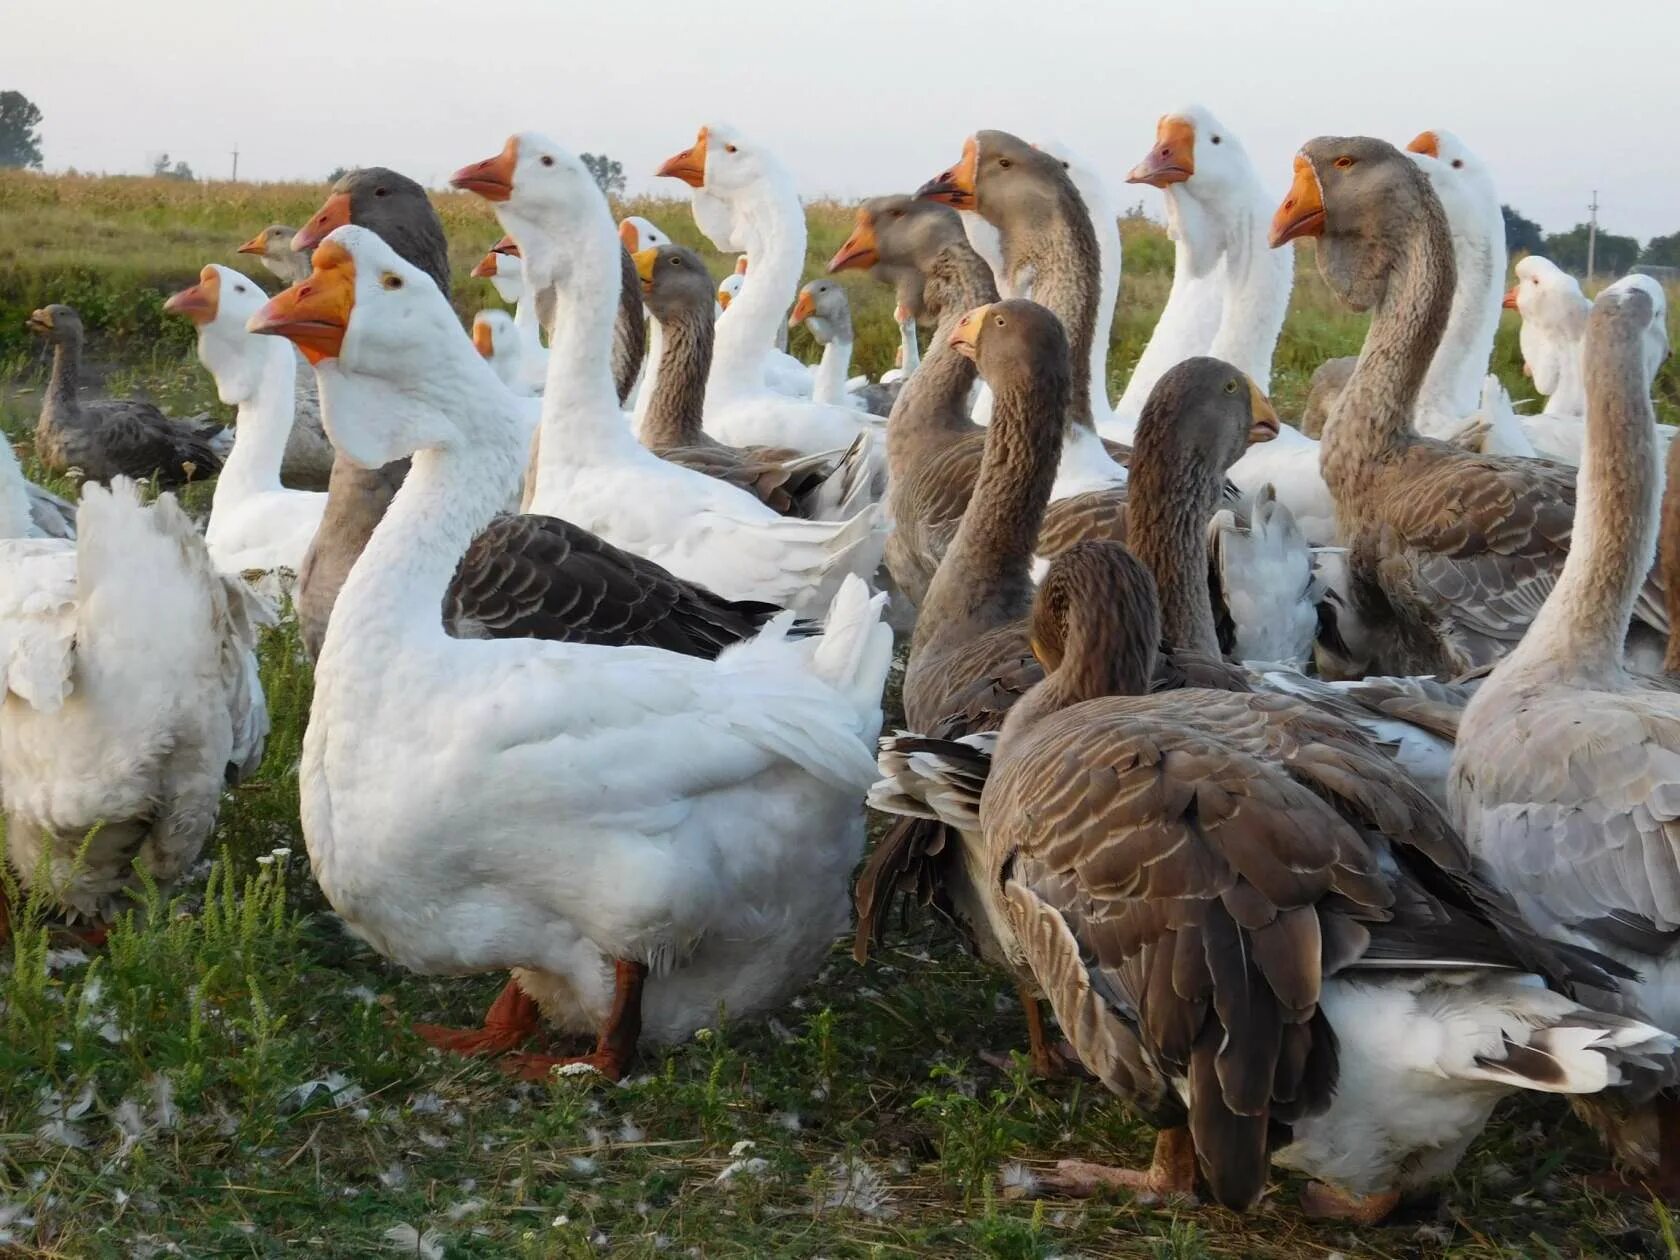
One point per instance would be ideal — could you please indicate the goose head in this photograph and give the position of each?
(1462, 182)
(899, 238)
(1654, 335)
(729, 286)
(1017, 345)
(497, 342)
(726, 171)
(1195, 152)
(1554, 314)
(274, 246)
(376, 325)
(675, 283)
(1002, 178)
(1201, 416)
(219, 306)
(1363, 201)
(822, 306)
(57, 323)
(503, 267)
(541, 192)
(638, 234)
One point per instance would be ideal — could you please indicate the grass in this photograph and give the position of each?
(233, 1074)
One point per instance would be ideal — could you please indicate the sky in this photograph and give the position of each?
(864, 97)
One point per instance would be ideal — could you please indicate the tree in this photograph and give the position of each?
(20, 134)
(337, 173)
(608, 173)
(1522, 236)
(1662, 251)
(1613, 255)
(162, 168)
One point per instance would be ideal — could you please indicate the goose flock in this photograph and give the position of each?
(1323, 777)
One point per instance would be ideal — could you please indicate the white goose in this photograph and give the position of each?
(645, 837)
(498, 340)
(128, 689)
(590, 468)
(766, 220)
(26, 509)
(257, 525)
(505, 269)
(1458, 392)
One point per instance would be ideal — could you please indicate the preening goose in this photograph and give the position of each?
(1048, 241)
(273, 247)
(766, 219)
(1256, 930)
(677, 291)
(257, 526)
(111, 437)
(128, 692)
(594, 472)
(1567, 768)
(1450, 553)
(635, 896)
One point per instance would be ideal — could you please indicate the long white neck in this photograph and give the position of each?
(395, 591)
(1107, 228)
(15, 520)
(578, 261)
(1618, 499)
(1190, 318)
(828, 382)
(1257, 283)
(911, 348)
(1453, 386)
(650, 372)
(525, 318)
(1554, 357)
(771, 224)
(262, 428)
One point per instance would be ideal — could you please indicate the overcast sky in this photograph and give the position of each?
(864, 96)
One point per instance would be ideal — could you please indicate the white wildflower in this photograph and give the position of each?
(267, 859)
(410, 1241)
(561, 1221)
(576, 1069)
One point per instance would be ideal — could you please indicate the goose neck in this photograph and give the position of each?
(1061, 252)
(772, 226)
(1257, 283)
(828, 383)
(676, 394)
(262, 427)
(932, 408)
(1190, 319)
(1168, 507)
(1452, 387)
(1372, 420)
(66, 372)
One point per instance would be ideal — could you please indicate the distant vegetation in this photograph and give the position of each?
(20, 131)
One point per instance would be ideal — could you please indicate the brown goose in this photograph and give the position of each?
(1046, 234)
(678, 292)
(1450, 553)
(1256, 930)
(110, 437)
(524, 576)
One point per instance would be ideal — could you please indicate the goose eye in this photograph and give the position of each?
(379, 192)
(391, 281)
(547, 160)
(898, 214)
(1458, 164)
(1215, 140)
(1342, 163)
(239, 288)
(729, 148)
(1005, 163)
(676, 262)
(1230, 387)
(998, 320)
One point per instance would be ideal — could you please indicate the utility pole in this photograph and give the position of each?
(1592, 236)
(236, 162)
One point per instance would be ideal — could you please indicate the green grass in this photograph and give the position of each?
(235, 1075)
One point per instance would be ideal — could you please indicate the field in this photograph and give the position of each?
(233, 1074)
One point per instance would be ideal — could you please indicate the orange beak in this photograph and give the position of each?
(965, 339)
(507, 245)
(334, 213)
(314, 314)
(803, 309)
(258, 244)
(1510, 302)
(955, 187)
(492, 178)
(198, 303)
(483, 341)
(1426, 143)
(1264, 426)
(1302, 211)
(861, 249)
(629, 236)
(486, 267)
(741, 265)
(1172, 160)
(645, 260)
(689, 165)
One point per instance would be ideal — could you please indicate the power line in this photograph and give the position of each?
(1592, 235)
(236, 161)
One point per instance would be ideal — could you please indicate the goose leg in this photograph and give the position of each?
(1664, 1181)
(616, 1042)
(1321, 1202)
(1047, 1060)
(1172, 1171)
(512, 1017)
